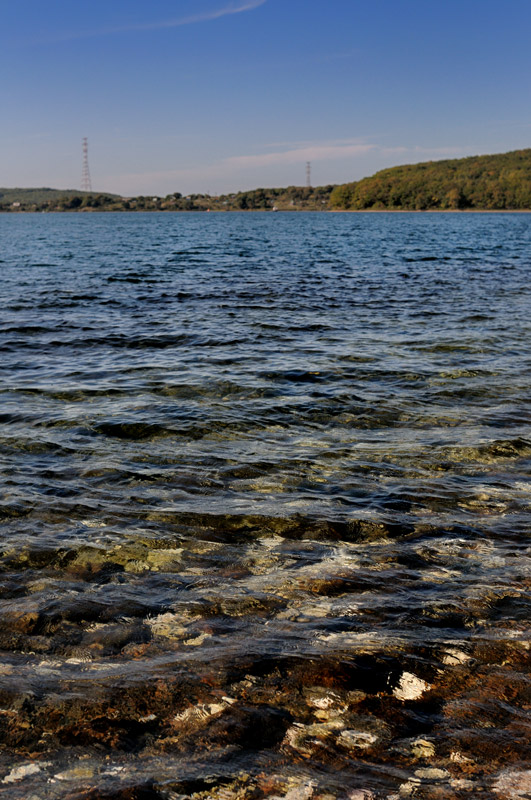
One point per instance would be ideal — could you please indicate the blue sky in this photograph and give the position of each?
(221, 95)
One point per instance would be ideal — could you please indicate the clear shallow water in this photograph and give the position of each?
(265, 505)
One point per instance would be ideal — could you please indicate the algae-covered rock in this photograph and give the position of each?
(168, 625)
(19, 619)
(77, 773)
(311, 739)
(432, 774)
(357, 740)
(422, 748)
(164, 559)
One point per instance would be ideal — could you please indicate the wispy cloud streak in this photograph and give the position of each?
(315, 152)
(193, 19)
(206, 17)
(351, 151)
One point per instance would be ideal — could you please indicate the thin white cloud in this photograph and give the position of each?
(328, 151)
(207, 16)
(299, 143)
(316, 152)
(228, 168)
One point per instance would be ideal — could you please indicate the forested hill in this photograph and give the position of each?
(480, 182)
(39, 197)
(291, 198)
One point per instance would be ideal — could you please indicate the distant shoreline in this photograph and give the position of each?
(496, 183)
(16, 211)
(429, 211)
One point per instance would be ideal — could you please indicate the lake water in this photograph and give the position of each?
(265, 506)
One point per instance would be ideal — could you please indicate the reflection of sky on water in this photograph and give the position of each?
(254, 445)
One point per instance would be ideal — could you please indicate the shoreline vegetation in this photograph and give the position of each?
(499, 182)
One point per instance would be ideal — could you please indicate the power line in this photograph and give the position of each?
(86, 183)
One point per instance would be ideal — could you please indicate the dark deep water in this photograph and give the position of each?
(265, 506)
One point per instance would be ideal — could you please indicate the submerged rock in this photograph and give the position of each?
(432, 774)
(513, 784)
(410, 687)
(422, 748)
(311, 739)
(75, 773)
(357, 740)
(302, 792)
(168, 625)
(21, 772)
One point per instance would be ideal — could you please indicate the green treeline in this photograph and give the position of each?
(495, 182)
(292, 198)
(480, 182)
(45, 199)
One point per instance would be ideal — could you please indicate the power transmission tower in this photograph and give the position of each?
(86, 183)
(309, 174)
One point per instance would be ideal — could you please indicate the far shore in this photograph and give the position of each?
(270, 211)
(429, 210)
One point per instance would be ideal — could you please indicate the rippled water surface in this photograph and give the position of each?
(265, 506)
